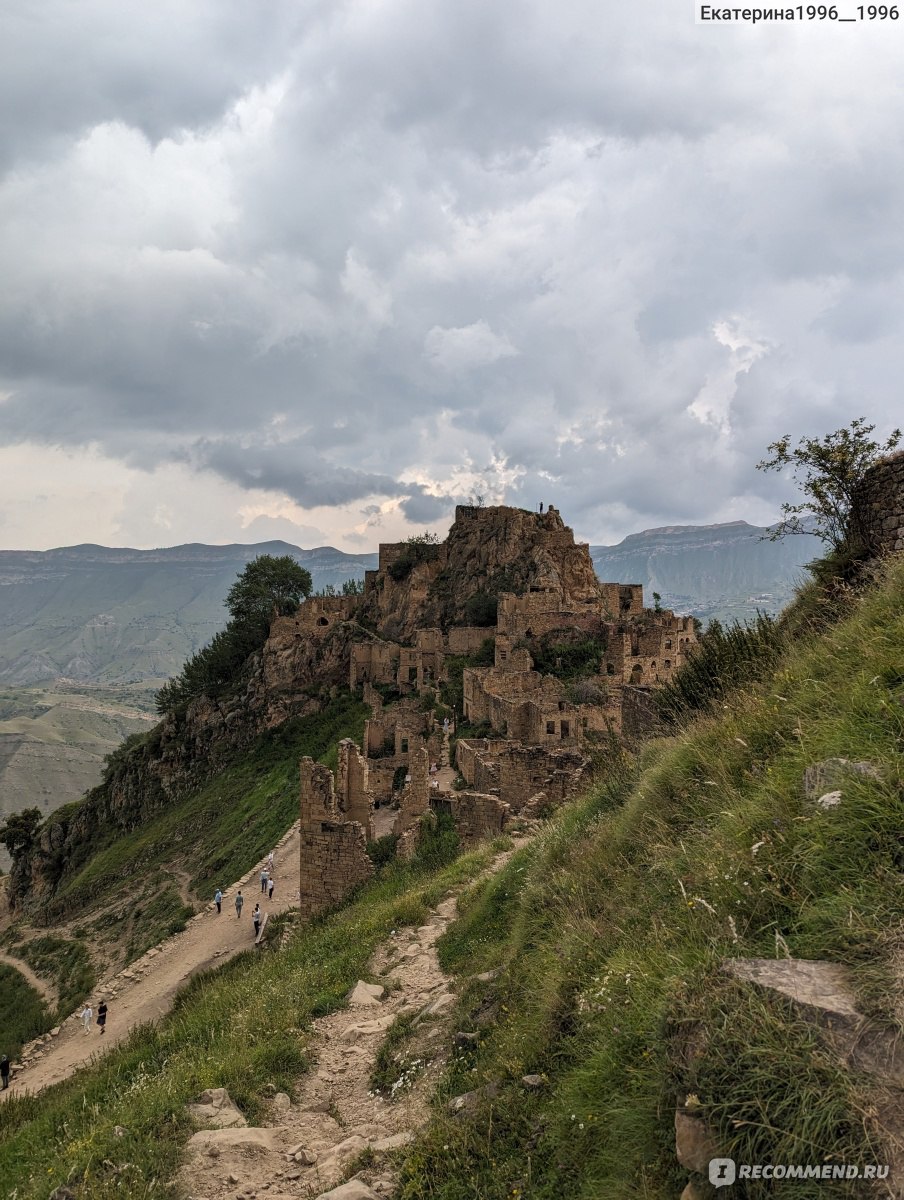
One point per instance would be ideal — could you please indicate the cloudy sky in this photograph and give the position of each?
(320, 270)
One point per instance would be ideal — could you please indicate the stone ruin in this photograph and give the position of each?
(543, 727)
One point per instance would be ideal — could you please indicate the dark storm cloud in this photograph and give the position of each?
(406, 251)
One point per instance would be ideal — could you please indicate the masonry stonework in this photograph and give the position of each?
(877, 516)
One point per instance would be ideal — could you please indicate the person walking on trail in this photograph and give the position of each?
(270, 857)
(102, 1016)
(239, 901)
(4, 1071)
(256, 918)
(270, 888)
(265, 879)
(218, 900)
(87, 1015)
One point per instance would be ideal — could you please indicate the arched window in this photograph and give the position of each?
(322, 621)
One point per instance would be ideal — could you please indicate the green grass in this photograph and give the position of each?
(242, 1027)
(223, 828)
(608, 932)
(22, 1012)
(63, 963)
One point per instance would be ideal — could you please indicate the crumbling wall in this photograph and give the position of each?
(373, 662)
(414, 799)
(477, 815)
(333, 854)
(516, 772)
(877, 515)
(640, 716)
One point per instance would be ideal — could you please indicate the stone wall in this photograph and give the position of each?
(515, 773)
(640, 716)
(334, 862)
(333, 855)
(877, 516)
(477, 815)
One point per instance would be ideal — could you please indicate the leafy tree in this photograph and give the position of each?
(268, 585)
(18, 832)
(827, 470)
(353, 587)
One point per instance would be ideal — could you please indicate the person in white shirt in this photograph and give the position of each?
(87, 1017)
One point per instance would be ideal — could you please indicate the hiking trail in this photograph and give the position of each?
(313, 1138)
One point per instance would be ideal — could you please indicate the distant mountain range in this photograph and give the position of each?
(88, 633)
(103, 615)
(727, 571)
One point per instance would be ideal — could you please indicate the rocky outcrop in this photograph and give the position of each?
(488, 551)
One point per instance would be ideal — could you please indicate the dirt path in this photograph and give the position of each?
(47, 993)
(312, 1138)
(145, 990)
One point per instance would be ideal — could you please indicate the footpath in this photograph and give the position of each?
(145, 990)
(335, 1127)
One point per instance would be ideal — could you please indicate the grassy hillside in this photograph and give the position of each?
(218, 832)
(66, 1135)
(607, 934)
(609, 930)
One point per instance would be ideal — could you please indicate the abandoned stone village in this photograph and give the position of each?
(547, 670)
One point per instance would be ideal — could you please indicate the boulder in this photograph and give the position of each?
(822, 986)
(249, 1140)
(442, 1003)
(533, 1083)
(395, 1141)
(216, 1109)
(355, 1189)
(463, 1041)
(830, 774)
(824, 993)
(367, 1028)
(335, 1159)
(364, 995)
(281, 1103)
(486, 976)
(694, 1142)
(829, 800)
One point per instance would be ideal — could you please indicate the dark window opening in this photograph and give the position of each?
(566, 729)
(550, 726)
(322, 621)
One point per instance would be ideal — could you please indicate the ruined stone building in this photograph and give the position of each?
(510, 590)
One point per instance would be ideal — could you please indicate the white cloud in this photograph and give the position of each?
(318, 259)
(464, 349)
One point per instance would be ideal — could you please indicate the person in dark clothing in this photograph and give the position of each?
(102, 1015)
(4, 1071)
(270, 888)
(256, 918)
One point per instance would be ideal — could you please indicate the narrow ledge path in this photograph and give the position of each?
(145, 989)
(46, 991)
